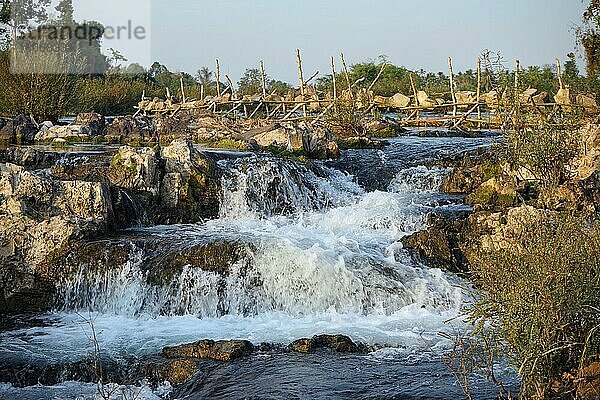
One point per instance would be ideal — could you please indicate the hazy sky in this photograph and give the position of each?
(189, 34)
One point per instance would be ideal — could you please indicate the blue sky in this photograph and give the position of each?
(189, 34)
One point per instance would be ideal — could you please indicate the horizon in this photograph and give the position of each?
(187, 35)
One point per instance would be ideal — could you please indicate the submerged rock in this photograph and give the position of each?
(221, 350)
(339, 343)
(21, 129)
(439, 246)
(92, 124)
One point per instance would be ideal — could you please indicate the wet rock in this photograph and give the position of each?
(439, 246)
(177, 184)
(495, 193)
(40, 221)
(176, 371)
(383, 128)
(130, 130)
(360, 142)
(190, 188)
(22, 130)
(339, 343)
(25, 129)
(136, 169)
(92, 124)
(28, 157)
(221, 350)
(62, 134)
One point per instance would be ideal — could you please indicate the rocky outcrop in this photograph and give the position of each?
(339, 343)
(221, 350)
(40, 221)
(22, 130)
(177, 184)
(92, 124)
(130, 130)
(440, 245)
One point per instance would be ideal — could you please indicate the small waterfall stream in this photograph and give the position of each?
(298, 250)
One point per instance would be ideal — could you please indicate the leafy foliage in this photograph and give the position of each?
(539, 304)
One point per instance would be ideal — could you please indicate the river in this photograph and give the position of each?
(317, 252)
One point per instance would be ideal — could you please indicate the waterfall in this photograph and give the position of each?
(314, 242)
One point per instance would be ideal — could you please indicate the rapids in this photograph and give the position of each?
(320, 253)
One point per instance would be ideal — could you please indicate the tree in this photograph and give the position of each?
(251, 81)
(17, 15)
(589, 37)
(65, 8)
(204, 76)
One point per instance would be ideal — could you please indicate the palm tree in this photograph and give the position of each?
(204, 76)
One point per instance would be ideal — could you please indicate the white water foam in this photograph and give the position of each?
(333, 266)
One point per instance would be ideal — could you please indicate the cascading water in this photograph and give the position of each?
(298, 250)
(337, 250)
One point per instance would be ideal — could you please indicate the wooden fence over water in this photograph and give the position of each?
(466, 109)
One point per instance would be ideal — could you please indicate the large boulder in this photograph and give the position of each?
(41, 220)
(220, 350)
(61, 134)
(131, 130)
(439, 245)
(178, 184)
(92, 124)
(22, 130)
(339, 343)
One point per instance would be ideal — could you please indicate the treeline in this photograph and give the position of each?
(111, 89)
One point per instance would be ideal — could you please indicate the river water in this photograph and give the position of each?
(318, 252)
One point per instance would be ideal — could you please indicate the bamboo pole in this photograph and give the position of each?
(377, 77)
(346, 74)
(263, 78)
(560, 81)
(218, 77)
(182, 90)
(229, 83)
(454, 109)
(301, 78)
(333, 80)
(479, 89)
(414, 89)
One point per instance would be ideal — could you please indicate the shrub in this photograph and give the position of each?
(539, 303)
(545, 152)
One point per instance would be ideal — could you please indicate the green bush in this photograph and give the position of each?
(539, 303)
(545, 152)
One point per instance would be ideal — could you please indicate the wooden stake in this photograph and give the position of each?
(377, 77)
(517, 66)
(414, 89)
(346, 74)
(479, 90)
(218, 77)
(333, 80)
(301, 78)
(452, 86)
(263, 78)
(230, 84)
(182, 90)
(560, 81)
